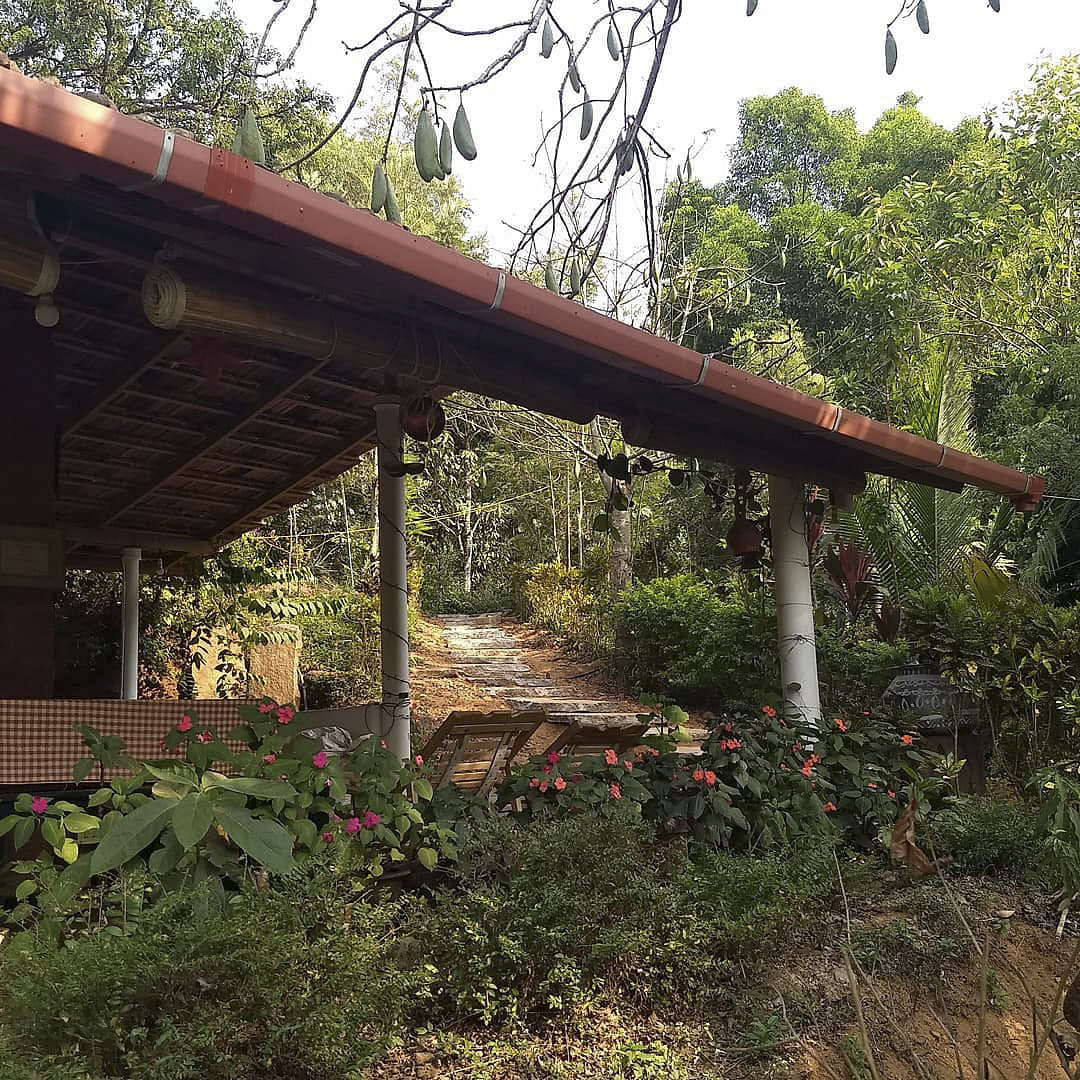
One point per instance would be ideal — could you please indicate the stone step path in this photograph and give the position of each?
(483, 652)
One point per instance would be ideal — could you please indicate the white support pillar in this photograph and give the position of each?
(129, 628)
(794, 600)
(393, 583)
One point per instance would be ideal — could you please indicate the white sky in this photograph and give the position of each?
(717, 56)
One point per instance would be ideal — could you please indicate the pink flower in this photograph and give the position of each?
(839, 723)
(653, 751)
(829, 807)
(546, 769)
(907, 740)
(319, 760)
(769, 711)
(892, 794)
(419, 759)
(267, 707)
(38, 804)
(352, 826)
(710, 777)
(616, 791)
(269, 759)
(543, 786)
(534, 782)
(185, 724)
(205, 737)
(870, 784)
(699, 774)
(553, 757)
(611, 757)
(576, 778)
(629, 766)
(370, 820)
(285, 714)
(328, 837)
(560, 783)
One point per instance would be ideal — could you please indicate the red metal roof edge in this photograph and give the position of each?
(61, 126)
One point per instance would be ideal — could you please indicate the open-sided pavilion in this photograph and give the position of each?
(227, 340)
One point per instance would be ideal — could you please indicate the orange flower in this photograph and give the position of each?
(840, 723)
(829, 807)
(769, 711)
(699, 774)
(611, 757)
(907, 740)
(616, 791)
(710, 777)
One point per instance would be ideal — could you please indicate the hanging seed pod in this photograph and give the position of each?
(613, 42)
(247, 142)
(575, 277)
(922, 17)
(751, 7)
(575, 78)
(547, 40)
(463, 137)
(550, 281)
(390, 206)
(586, 118)
(890, 52)
(996, 5)
(446, 150)
(378, 189)
(425, 147)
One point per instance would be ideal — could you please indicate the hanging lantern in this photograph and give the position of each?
(744, 537)
(423, 418)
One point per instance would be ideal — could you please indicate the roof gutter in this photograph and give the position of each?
(49, 122)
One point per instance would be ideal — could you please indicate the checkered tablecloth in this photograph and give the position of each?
(39, 743)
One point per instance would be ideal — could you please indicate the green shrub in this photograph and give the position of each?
(293, 982)
(550, 913)
(985, 835)
(340, 653)
(564, 600)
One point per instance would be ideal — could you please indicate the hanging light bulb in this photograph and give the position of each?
(46, 313)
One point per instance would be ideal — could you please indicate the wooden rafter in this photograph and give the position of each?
(160, 347)
(274, 393)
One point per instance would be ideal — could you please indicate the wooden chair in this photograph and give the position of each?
(473, 750)
(581, 740)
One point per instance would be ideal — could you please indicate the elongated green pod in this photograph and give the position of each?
(550, 281)
(613, 42)
(575, 78)
(586, 118)
(890, 52)
(922, 17)
(575, 277)
(248, 142)
(463, 137)
(547, 40)
(425, 147)
(446, 150)
(390, 206)
(751, 6)
(378, 189)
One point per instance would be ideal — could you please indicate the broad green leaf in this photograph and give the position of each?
(9, 823)
(850, 763)
(102, 795)
(193, 816)
(423, 788)
(164, 859)
(265, 841)
(25, 889)
(69, 851)
(52, 832)
(251, 785)
(428, 857)
(176, 777)
(82, 769)
(131, 834)
(80, 822)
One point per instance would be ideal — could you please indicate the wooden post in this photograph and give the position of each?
(28, 451)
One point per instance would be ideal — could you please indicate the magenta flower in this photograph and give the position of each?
(285, 714)
(370, 820)
(205, 737)
(39, 804)
(328, 837)
(185, 724)
(543, 786)
(267, 707)
(419, 759)
(352, 826)
(553, 757)
(320, 759)
(269, 759)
